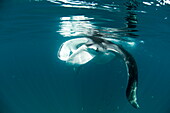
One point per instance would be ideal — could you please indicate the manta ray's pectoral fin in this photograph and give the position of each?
(133, 78)
(132, 73)
(69, 47)
(80, 56)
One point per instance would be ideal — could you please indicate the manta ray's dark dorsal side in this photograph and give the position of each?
(133, 78)
(130, 65)
(132, 75)
(131, 70)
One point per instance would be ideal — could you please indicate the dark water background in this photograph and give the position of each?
(34, 80)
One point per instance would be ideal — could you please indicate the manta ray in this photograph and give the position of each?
(80, 51)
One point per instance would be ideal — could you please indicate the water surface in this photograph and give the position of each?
(34, 80)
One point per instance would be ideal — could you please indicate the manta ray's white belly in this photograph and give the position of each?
(75, 55)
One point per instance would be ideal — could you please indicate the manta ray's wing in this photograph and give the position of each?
(69, 47)
(80, 56)
(75, 52)
(132, 73)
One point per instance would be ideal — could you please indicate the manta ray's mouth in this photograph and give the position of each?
(80, 51)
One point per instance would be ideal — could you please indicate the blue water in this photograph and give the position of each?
(34, 80)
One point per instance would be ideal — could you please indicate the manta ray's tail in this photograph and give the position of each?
(132, 74)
